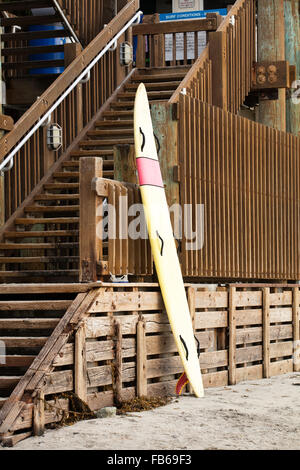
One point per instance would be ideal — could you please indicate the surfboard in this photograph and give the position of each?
(163, 244)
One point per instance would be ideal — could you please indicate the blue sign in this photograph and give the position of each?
(190, 15)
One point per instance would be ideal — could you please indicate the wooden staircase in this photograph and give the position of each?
(43, 245)
(27, 319)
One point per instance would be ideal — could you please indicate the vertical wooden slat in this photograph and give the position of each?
(266, 332)
(39, 414)
(141, 359)
(80, 364)
(118, 362)
(296, 329)
(232, 336)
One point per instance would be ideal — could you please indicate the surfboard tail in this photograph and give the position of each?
(182, 382)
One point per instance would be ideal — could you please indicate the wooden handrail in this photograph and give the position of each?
(60, 85)
(203, 24)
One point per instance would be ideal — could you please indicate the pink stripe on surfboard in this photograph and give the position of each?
(149, 172)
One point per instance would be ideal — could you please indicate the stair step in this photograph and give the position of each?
(66, 174)
(51, 186)
(34, 305)
(8, 383)
(23, 51)
(39, 209)
(19, 6)
(29, 20)
(32, 35)
(53, 276)
(24, 342)
(116, 123)
(37, 246)
(28, 323)
(152, 95)
(165, 85)
(46, 221)
(16, 361)
(118, 114)
(38, 259)
(41, 234)
(99, 143)
(110, 132)
(32, 65)
(54, 197)
(172, 76)
(75, 164)
(92, 153)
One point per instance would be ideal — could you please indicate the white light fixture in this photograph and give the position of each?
(54, 137)
(126, 53)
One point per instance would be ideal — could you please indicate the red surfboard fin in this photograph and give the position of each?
(182, 382)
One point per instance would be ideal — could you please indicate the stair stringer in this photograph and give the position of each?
(22, 398)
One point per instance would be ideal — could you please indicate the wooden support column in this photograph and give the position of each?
(2, 192)
(191, 296)
(292, 48)
(296, 327)
(118, 362)
(232, 336)
(271, 46)
(218, 56)
(266, 332)
(89, 233)
(39, 414)
(125, 164)
(141, 359)
(80, 367)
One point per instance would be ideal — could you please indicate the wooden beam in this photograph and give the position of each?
(118, 362)
(39, 414)
(80, 366)
(90, 238)
(141, 359)
(232, 336)
(266, 332)
(170, 27)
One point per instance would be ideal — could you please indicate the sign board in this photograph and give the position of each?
(184, 5)
(190, 15)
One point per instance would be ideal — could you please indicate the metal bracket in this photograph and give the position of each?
(272, 75)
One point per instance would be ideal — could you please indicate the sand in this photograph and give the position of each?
(262, 414)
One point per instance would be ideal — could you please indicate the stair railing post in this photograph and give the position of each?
(218, 56)
(90, 239)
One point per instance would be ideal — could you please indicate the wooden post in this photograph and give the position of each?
(141, 359)
(191, 296)
(118, 362)
(80, 364)
(292, 47)
(90, 234)
(39, 414)
(71, 51)
(125, 164)
(271, 46)
(218, 56)
(266, 332)
(232, 337)
(2, 181)
(296, 327)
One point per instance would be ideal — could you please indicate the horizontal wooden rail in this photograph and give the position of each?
(205, 24)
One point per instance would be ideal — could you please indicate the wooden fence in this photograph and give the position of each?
(34, 159)
(222, 74)
(247, 177)
(106, 246)
(123, 346)
(171, 43)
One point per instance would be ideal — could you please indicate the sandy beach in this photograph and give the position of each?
(262, 414)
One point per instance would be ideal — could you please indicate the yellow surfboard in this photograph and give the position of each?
(162, 242)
